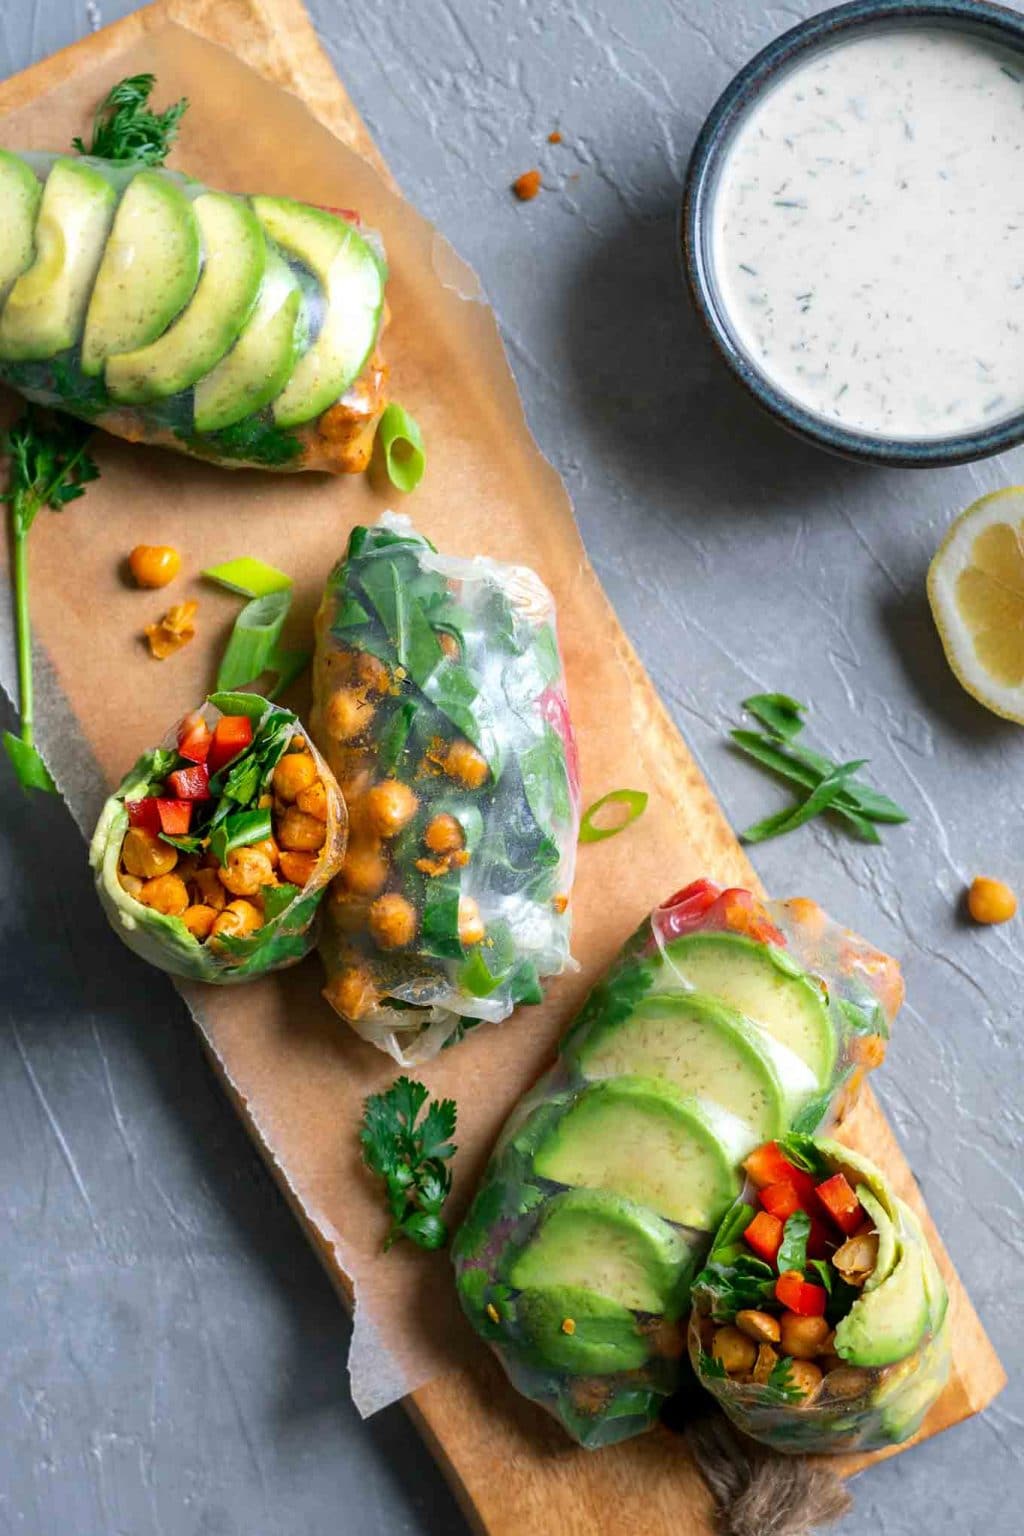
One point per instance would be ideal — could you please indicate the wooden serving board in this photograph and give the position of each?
(513, 1469)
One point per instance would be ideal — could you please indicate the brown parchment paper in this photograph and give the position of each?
(298, 1076)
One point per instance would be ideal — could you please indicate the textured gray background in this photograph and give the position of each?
(173, 1362)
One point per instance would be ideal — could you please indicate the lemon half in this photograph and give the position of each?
(976, 591)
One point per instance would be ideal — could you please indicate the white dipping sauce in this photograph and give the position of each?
(868, 233)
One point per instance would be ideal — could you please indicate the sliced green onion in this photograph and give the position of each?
(635, 802)
(28, 764)
(253, 640)
(402, 443)
(239, 830)
(820, 799)
(782, 715)
(249, 577)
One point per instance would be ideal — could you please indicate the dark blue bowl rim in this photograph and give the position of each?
(1002, 25)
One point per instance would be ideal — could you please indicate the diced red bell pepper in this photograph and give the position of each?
(799, 1295)
(194, 737)
(764, 1235)
(175, 816)
(190, 783)
(684, 911)
(780, 1200)
(738, 911)
(231, 735)
(840, 1201)
(766, 1166)
(144, 814)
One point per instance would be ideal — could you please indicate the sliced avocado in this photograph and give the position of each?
(260, 363)
(641, 1139)
(887, 1324)
(44, 310)
(699, 1046)
(20, 192)
(934, 1284)
(234, 257)
(353, 285)
(573, 1330)
(904, 1409)
(599, 1242)
(761, 982)
(148, 272)
(887, 1249)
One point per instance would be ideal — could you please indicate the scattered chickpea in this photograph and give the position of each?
(443, 835)
(199, 921)
(803, 1337)
(990, 901)
(735, 1351)
(154, 565)
(297, 868)
(245, 872)
(805, 1376)
(392, 921)
(462, 761)
(759, 1326)
(209, 889)
(471, 924)
(300, 833)
(348, 713)
(145, 854)
(767, 1359)
(165, 893)
(352, 992)
(313, 800)
(365, 872)
(527, 186)
(295, 772)
(238, 919)
(130, 883)
(389, 806)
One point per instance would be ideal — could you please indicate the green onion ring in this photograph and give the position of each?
(635, 801)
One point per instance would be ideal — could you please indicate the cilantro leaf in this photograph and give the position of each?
(793, 1248)
(125, 127)
(411, 1155)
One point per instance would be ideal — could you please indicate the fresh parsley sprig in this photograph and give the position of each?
(830, 786)
(50, 466)
(411, 1155)
(125, 128)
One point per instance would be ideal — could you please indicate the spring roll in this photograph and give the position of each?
(439, 702)
(822, 1328)
(212, 856)
(724, 1022)
(242, 330)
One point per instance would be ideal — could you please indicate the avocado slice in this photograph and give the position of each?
(260, 363)
(702, 1047)
(904, 1408)
(572, 1330)
(148, 273)
(20, 192)
(934, 1285)
(234, 258)
(887, 1247)
(352, 280)
(642, 1139)
(761, 982)
(596, 1241)
(887, 1324)
(44, 310)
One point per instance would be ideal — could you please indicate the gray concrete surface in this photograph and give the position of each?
(172, 1358)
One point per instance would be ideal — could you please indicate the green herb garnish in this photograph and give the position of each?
(793, 1248)
(780, 1384)
(401, 443)
(254, 647)
(411, 1158)
(124, 127)
(635, 802)
(830, 786)
(49, 466)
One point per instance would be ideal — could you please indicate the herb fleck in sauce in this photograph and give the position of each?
(867, 233)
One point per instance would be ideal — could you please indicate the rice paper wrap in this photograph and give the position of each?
(725, 1021)
(240, 330)
(289, 931)
(890, 1355)
(438, 683)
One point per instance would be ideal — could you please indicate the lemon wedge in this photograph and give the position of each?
(976, 591)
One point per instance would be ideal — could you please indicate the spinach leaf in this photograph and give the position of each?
(793, 1249)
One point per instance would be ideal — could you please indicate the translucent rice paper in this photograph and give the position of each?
(858, 1407)
(517, 1201)
(497, 696)
(287, 317)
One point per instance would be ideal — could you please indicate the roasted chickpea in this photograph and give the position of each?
(462, 761)
(389, 806)
(448, 643)
(802, 1337)
(736, 1352)
(154, 565)
(165, 893)
(237, 919)
(471, 924)
(365, 872)
(145, 854)
(372, 673)
(313, 800)
(245, 872)
(856, 1258)
(443, 834)
(349, 913)
(392, 921)
(130, 883)
(295, 772)
(199, 920)
(805, 1376)
(767, 1359)
(348, 714)
(208, 890)
(300, 833)
(759, 1326)
(269, 849)
(845, 1381)
(297, 868)
(352, 992)
(990, 901)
